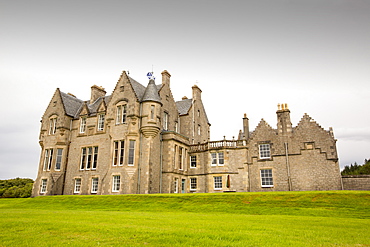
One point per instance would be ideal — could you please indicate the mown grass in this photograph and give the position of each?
(335, 218)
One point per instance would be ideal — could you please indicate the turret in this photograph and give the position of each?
(151, 106)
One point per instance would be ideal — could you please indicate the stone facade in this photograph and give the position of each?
(140, 140)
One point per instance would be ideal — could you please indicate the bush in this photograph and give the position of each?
(16, 188)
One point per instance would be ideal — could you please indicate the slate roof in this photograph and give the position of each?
(183, 106)
(151, 93)
(72, 105)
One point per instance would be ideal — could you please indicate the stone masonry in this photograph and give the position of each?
(139, 140)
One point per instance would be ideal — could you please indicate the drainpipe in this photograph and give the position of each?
(161, 162)
(67, 151)
(140, 150)
(287, 166)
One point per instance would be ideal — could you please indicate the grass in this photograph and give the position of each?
(335, 218)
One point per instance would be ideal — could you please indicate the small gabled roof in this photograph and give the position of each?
(93, 108)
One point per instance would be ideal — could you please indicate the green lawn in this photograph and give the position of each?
(335, 218)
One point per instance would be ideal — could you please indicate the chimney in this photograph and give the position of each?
(246, 126)
(283, 119)
(96, 92)
(166, 77)
(196, 92)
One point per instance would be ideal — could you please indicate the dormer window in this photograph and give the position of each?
(82, 125)
(101, 118)
(121, 114)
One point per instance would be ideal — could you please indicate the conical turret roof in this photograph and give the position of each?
(151, 93)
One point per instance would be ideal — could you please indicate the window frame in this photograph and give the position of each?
(77, 186)
(131, 153)
(94, 185)
(217, 158)
(267, 179)
(43, 186)
(118, 153)
(165, 120)
(176, 185)
(193, 184)
(59, 159)
(83, 121)
(263, 151)
(116, 183)
(52, 125)
(101, 121)
(89, 161)
(193, 161)
(217, 185)
(121, 114)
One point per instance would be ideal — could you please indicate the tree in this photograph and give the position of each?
(16, 188)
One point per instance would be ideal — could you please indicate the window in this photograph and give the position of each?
(199, 129)
(176, 126)
(44, 183)
(121, 114)
(101, 118)
(94, 185)
(131, 153)
(89, 158)
(181, 150)
(77, 185)
(48, 159)
(193, 161)
(264, 151)
(176, 185)
(266, 178)
(152, 111)
(165, 121)
(193, 183)
(83, 125)
(217, 182)
(52, 126)
(95, 158)
(116, 185)
(119, 152)
(217, 159)
(58, 162)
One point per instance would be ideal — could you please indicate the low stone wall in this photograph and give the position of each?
(356, 182)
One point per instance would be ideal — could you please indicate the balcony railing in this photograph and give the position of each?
(217, 145)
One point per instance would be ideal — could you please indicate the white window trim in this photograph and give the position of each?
(214, 183)
(93, 186)
(260, 153)
(176, 184)
(59, 159)
(272, 177)
(94, 155)
(191, 166)
(101, 121)
(43, 186)
(218, 159)
(114, 184)
(196, 184)
(76, 185)
(83, 121)
(131, 151)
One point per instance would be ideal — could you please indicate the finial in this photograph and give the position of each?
(279, 107)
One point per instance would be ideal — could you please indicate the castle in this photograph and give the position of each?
(139, 140)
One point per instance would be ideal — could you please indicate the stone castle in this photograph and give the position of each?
(139, 140)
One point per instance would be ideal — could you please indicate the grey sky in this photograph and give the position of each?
(246, 56)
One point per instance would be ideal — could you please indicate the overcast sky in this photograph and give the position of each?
(246, 56)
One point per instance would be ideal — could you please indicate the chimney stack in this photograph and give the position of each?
(283, 119)
(246, 126)
(197, 93)
(166, 77)
(96, 92)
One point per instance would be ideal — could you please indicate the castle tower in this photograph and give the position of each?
(149, 171)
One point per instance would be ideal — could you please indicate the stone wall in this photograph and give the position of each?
(356, 182)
